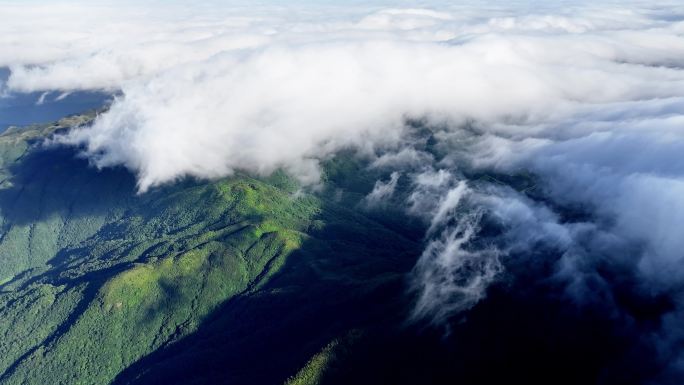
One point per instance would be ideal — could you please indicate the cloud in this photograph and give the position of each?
(42, 97)
(236, 110)
(451, 277)
(589, 98)
(382, 191)
(453, 272)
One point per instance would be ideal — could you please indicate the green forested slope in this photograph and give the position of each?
(99, 283)
(95, 276)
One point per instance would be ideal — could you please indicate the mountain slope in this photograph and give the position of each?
(252, 280)
(96, 277)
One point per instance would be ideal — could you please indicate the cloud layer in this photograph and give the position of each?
(589, 98)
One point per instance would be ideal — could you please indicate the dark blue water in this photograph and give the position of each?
(18, 109)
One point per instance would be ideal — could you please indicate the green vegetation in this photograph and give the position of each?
(312, 372)
(94, 277)
(324, 362)
(236, 280)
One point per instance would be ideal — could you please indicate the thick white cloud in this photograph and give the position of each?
(284, 104)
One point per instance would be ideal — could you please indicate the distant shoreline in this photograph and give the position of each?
(21, 109)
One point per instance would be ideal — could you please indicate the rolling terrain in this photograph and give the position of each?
(96, 277)
(255, 280)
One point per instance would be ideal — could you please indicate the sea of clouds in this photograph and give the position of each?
(588, 97)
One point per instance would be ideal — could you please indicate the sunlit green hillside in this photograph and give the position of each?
(95, 277)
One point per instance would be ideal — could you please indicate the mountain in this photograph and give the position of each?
(256, 280)
(96, 277)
